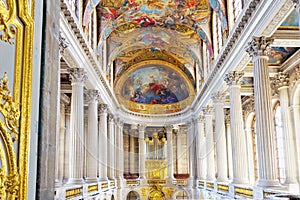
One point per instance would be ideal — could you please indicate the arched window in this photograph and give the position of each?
(279, 142)
(132, 195)
(181, 195)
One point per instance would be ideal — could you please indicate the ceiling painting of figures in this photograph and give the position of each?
(152, 85)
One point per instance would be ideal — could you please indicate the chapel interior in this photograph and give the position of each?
(149, 99)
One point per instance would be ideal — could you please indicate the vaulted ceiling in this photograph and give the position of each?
(153, 49)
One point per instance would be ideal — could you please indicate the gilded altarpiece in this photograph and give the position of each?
(16, 54)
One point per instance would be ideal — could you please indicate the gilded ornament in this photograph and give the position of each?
(7, 20)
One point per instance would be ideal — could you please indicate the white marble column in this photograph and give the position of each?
(76, 160)
(92, 136)
(102, 142)
(120, 151)
(248, 132)
(238, 137)
(170, 163)
(210, 147)
(142, 151)
(61, 142)
(282, 82)
(229, 147)
(218, 99)
(67, 143)
(200, 148)
(132, 163)
(111, 147)
(258, 49)
(191, 150)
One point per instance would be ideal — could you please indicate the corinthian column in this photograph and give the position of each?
(218, 99)
(229, 146)
(78, 76)
(102, 142)
(142, 151)
(210, 147)
(111, 147)
(169, 130)
(200, 148)
(282, 82)
(92, 136)
(120, 152)
(258, 49)
(238, 137)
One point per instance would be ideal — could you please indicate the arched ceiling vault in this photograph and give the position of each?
(147, 37)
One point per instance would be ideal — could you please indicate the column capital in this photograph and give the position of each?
(102, 108)
(207, 110)
(142, 127)
(169, 128)
(218, 97)
(281, 80)
(200, 119)
(77, 75)
(259, 46)
(234, 78)
(92, 95)
(110, 117)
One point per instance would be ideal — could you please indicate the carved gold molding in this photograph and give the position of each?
(17, 26)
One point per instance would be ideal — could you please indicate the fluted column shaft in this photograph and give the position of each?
(102, 141)
(132, 163)
(282, 82)
(170, 151)
(191, 149)
(142, 151)
(210, 147)
(238, 137)
(111, 147)
(222, 169)
(119, 150)
(200, 148)
(67, 143)
(229, 147)
(263, 109)
(121, 159)
(76, 160)
(92, 136)
(61, 143)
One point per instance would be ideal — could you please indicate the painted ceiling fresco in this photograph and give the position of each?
(291, 22)
(155, 86)
(166, 34)
(280, 54)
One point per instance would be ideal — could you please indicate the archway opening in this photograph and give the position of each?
(132, 195)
